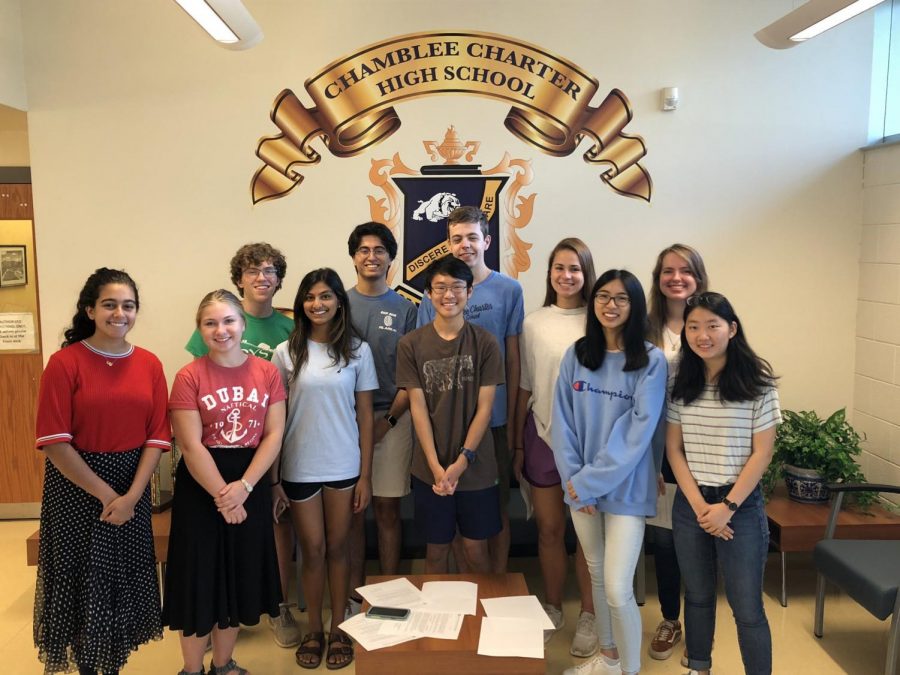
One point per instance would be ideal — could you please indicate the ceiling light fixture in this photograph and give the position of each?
(809, 20)
(227, 21)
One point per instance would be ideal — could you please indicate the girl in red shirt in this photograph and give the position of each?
(102, 423)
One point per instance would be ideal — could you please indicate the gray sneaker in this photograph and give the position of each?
(585, 642)
(556, 618)
(285, 628)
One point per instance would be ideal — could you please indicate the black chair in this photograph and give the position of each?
(867, 570)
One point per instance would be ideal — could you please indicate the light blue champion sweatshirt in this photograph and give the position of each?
(605, 431)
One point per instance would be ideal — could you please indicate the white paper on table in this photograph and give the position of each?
(425, 623)
(451, 597)
(506, 636)
(367, 632)
(518, 607)
(398, 592)
(664, 504)
(525, 490)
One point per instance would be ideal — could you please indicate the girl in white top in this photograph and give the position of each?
(326, 463)
(546, 334)
(678, 274)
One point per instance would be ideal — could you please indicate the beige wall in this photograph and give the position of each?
(12, 65)
(877, 387)
(142, 144)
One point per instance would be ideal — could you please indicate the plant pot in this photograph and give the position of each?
(805, 485)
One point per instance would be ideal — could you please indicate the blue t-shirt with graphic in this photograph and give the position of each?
(497, 305)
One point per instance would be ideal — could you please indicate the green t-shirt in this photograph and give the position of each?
(260, 338)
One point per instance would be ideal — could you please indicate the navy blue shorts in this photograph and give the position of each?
(475, 512)
(300, 492)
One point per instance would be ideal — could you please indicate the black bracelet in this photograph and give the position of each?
(277, 482)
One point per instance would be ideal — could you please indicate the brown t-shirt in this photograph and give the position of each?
(451, 373)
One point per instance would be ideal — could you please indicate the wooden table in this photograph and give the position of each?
(459, 657)
(795, 527)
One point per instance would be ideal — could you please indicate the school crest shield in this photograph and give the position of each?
(416, 205)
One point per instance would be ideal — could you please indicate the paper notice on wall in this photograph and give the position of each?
(16, 331)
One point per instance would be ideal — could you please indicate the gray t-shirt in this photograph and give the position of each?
(381, 321)
(451, 373)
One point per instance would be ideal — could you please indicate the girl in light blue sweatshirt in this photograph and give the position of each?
(606, 417)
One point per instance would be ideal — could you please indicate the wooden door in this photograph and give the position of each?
(21, 361)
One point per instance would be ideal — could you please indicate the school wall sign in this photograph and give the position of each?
(354, 97)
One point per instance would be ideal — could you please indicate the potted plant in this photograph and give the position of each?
(811, 452)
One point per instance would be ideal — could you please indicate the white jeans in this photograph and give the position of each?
(612, 545)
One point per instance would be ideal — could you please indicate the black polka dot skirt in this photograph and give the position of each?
(219, 574)
(97, 596)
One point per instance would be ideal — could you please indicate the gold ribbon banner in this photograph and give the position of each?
(354, 97)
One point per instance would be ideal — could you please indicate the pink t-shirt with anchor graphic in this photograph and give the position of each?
(232, 402)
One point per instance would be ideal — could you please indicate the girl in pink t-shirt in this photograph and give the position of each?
(228, 416)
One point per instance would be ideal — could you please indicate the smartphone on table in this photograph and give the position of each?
(390, 613)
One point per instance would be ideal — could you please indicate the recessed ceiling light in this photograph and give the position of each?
(227, 21)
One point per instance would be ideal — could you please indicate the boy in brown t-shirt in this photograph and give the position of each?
(451, 369)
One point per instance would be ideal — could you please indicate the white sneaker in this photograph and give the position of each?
(285, 628)
(600, 665)
(586, 642)
(556, 618)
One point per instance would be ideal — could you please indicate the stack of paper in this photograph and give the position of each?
(436, 611)
(514, 626)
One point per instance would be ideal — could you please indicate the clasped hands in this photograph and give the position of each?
(446, 480)
(118, 510)
(230, 502)
(589, 509)
(715, 519)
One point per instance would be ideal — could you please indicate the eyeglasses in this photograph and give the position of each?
(704, 299)
(268, 272)
(603, 299)
(441, 289)
(364, 251)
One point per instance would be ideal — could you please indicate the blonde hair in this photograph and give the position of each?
(220, 295)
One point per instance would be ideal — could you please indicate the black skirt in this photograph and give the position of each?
(97, 596)
(219, 574)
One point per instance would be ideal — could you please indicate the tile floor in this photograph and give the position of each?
(854, 642)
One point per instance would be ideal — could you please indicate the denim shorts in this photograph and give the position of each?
(475, 512)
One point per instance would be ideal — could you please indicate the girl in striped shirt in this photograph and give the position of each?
(722, 414)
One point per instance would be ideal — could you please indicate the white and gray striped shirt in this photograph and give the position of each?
(718, 436)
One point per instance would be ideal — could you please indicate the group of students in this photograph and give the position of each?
(294, 426)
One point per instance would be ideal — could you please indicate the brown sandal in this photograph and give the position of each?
(340, 646)
(312, 644)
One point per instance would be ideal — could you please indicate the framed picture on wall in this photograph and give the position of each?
(13, 268)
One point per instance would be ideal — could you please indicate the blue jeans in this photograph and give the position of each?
(742, 560)
(668, 575)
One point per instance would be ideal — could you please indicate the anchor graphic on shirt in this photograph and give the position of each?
(232, 435)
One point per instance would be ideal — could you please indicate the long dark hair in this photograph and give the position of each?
(591, 349)
(657, 313)
(745, 376)
(341, 334)
(82, 325)
(585, 260)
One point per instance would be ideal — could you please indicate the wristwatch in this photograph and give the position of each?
(247, 486)
(730, 504)
(390, 419)
(470, 455)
